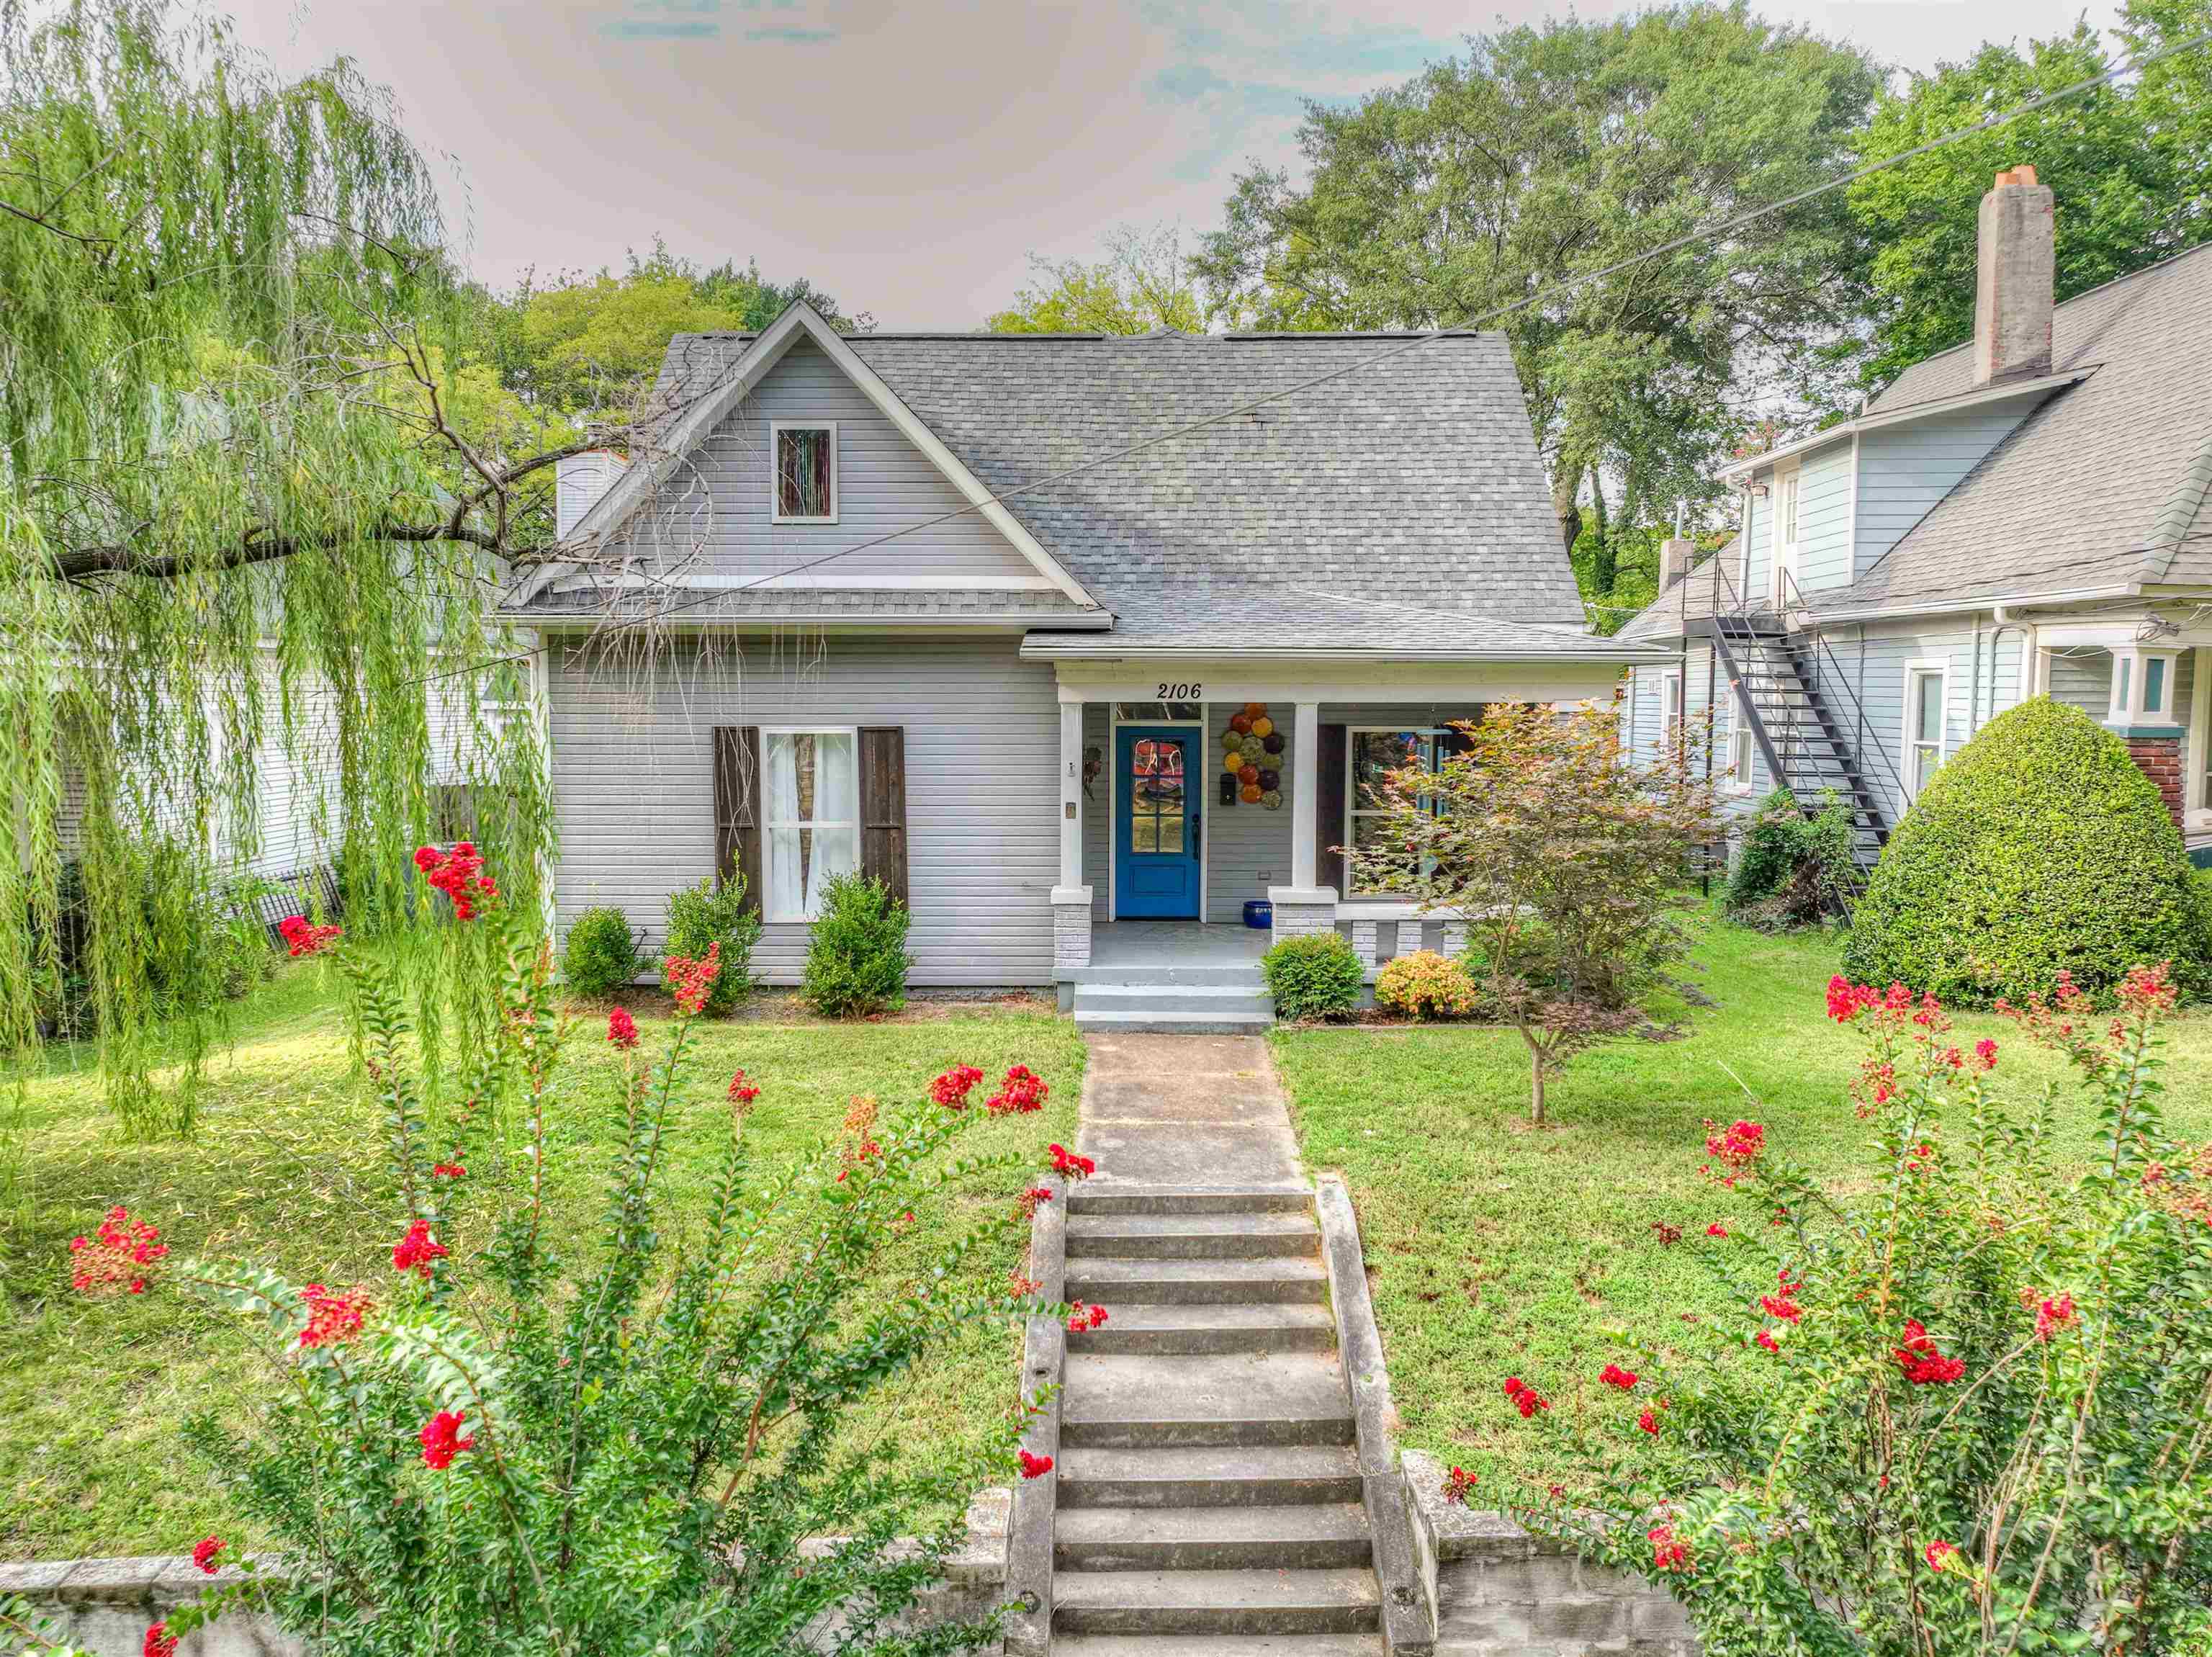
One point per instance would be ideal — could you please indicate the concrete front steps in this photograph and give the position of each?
(1209, 1494)
(1174, 1000)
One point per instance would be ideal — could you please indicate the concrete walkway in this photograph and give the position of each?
(1209, 1491)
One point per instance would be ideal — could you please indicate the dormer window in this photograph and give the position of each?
(805, 453)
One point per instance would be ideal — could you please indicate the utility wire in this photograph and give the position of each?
(1988, 123)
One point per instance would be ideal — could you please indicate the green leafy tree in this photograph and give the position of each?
(1565, 857)
(1547, 152)
(1144, 283)
(2130, 164)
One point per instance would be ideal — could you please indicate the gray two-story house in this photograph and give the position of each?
(1085, 644)
(2023, 515)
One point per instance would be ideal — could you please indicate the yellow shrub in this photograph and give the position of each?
(1425, 985)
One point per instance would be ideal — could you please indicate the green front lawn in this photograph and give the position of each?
(1497, 1249)
(287, 1167)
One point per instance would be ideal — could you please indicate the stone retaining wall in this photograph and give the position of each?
(103, 1607)
(1498, 1590)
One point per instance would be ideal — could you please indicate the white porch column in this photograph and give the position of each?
(1070, 898)
(1303, 906)
(1305, 785)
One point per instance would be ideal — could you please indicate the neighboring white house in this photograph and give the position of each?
(876, 603)
(2024, 513)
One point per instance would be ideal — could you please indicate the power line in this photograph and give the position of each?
(1988, 123)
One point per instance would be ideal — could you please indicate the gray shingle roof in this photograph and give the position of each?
(2103, 487)
(1416, 481)
(1698, 595)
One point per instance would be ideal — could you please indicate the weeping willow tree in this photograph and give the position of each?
(255, 493)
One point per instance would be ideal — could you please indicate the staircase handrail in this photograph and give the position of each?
(1827, 668)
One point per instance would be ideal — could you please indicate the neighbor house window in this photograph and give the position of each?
(1740, 744)
(1371, 756)
(806, 472)
(1670, 710)
(1924, 695)
(812, 782)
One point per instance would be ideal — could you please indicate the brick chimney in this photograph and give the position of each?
(2014, 278)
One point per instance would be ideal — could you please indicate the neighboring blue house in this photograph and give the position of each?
(2023, 515)
(909, 603)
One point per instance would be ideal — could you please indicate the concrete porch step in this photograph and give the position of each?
(1107, 1197)
(1191, 1236)
(1219, 1645)
(1233, 1602)
(1171, 1024)
(1165, 1329)
(1266, 1475)
(1113, 1401)
(1196, 1282)
(1314, 1536)
(1246, 974)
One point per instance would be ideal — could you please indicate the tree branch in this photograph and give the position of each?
(255, 546)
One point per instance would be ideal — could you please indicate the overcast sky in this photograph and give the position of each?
(907, 158)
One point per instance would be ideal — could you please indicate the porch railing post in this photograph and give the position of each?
(1070, 898)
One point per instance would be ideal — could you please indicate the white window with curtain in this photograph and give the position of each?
(1926, 693)
(1670, 709)
(812, 827)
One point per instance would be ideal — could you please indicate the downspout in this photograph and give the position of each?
(1974, 681)
(2004, 624)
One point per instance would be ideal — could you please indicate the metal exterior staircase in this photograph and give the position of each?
(1807, 725)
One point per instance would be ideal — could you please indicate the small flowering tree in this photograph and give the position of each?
(494, 1450)
(1564, 856)
(1967, 1407)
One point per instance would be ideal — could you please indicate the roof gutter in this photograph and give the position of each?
(1046, 649)
(2042, 385)
(1956, 607)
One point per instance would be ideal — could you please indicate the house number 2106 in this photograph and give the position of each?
(1190, 693)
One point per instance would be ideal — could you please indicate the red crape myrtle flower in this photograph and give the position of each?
(442, 1440)
(1457, 1484)
(448, 1171)
(1614, 1375)
(160, 1642)
(743, 1089)
(205, 1549)
(621, 1028)
(2054, 1314)
(334, 1320)
(951, 1090)
(120, 1257)
(1067, 1163)
(689, 982)
(1020, 1287)
(1924, 1366)
(1086, 1317)
(1765, 1338)
(417, 1250)
(301, 939)
(1717, 1229)
(1938, 1554)
(1649, 1422)
(1737, 1148)
(1034, 1466)
(1021, 1090)
(1026, 1205)
(1669, 1551)
(1526, 1398)
(455, 873)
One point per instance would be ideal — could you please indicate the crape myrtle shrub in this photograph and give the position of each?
(634, 1447)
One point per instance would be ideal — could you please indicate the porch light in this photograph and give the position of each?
(2142, 686)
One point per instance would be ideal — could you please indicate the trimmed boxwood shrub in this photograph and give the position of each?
(1315, 976)
(602, 954)
(2039, 847)
(856, 960)
(704, 915)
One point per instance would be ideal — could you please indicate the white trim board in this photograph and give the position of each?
(611, 513)
(775, 430)
(1113, 724)
(1940, 667)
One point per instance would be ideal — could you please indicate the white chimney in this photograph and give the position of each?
(579, 481)
(1675, 557)
(2013, 279)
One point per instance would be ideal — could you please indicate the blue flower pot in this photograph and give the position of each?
(1259, 914)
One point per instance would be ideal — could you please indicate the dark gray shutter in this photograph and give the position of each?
(1328, 808)
(737, 807)
(883, 806)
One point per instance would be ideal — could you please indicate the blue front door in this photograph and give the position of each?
(1156, 822)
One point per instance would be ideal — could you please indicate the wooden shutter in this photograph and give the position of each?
(738, 808)
(883, 806)
(1328, 808)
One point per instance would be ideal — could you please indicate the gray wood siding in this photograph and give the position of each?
(1905, 470)
(884, 483)
(1824, 518)
(2083, 678)
(632, 778)
(1752, 575)
(1248, 847)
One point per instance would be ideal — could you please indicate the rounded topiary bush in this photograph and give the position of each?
(1315, 976)
(2040, 847)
